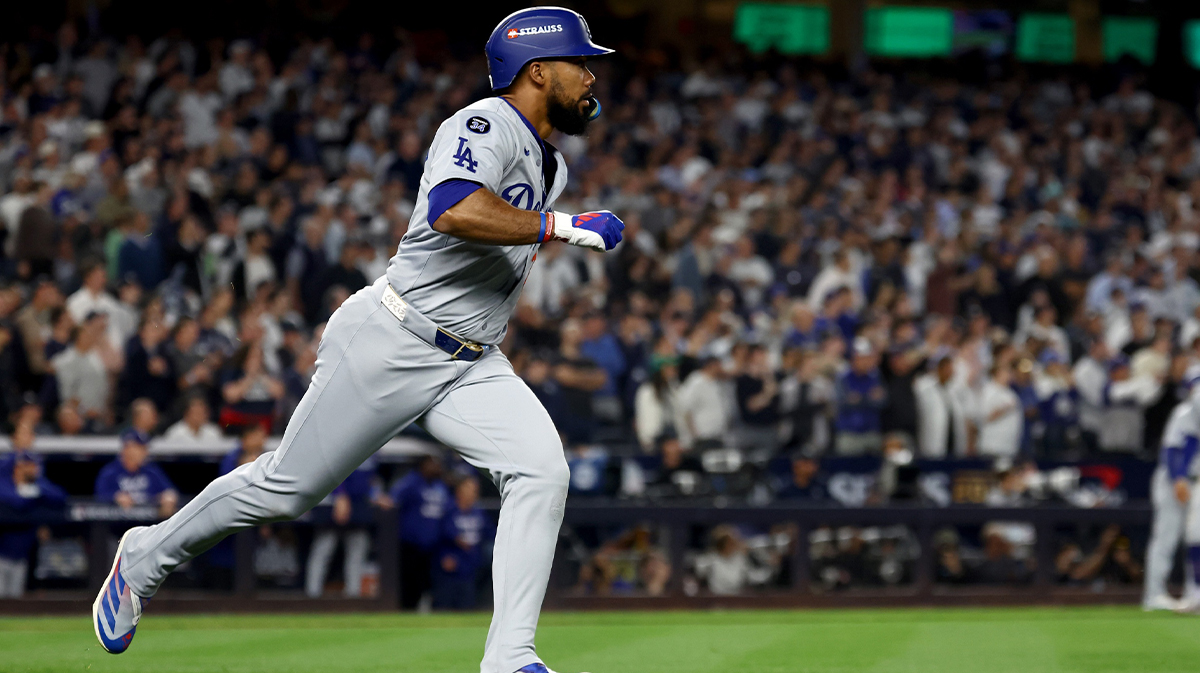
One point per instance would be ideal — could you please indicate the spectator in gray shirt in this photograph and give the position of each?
(83, 380)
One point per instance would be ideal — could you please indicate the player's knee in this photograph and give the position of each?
(552, 467)
(558, 473)
(291, 506)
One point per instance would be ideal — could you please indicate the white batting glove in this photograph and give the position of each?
(600, 230)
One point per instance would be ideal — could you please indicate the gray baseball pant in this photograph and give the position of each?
(1170, 517)
(373, 378)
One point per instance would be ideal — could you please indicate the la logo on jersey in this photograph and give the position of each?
(514, 33)
(463, 158)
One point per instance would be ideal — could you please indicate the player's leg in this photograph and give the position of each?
(319, 556)
(358, 544)
(372, 379)
(495, 422)
(1164, 540)
(1191, 539)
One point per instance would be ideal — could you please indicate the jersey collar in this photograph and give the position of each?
(526, 123)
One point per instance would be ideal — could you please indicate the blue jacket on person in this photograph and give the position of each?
(606, 352)
(230, 461)
(858, 411)
(422, 505)
(463, 534)
(143, 486)
(359, 484)
(142, 259)
(17, 542)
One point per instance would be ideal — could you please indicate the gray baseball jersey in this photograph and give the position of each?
(471, 289)
(374, 376)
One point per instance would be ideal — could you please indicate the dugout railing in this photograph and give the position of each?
(678, 520)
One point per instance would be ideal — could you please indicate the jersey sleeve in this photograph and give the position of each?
(473, 145)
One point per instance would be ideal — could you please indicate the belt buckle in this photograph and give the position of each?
(462, 344)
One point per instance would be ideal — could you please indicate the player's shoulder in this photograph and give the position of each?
(488, 117)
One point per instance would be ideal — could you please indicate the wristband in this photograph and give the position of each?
(547, 231)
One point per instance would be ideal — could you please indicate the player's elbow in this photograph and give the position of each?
(451, 223)
(444, 224)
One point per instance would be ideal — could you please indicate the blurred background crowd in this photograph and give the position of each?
(811, 265)
(817, 263)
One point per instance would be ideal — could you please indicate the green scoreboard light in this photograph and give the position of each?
(1046, 37)
(1191, 43)
(1136, 36)
(909, 32)
(790, 28)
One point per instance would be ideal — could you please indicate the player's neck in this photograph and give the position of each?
(532, 106)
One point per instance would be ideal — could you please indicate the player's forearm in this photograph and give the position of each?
(483, 217)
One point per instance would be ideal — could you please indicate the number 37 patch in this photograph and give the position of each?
(462, 157)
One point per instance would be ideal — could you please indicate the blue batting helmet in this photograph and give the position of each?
(537, 32)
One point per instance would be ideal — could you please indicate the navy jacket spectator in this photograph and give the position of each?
(464, 531)
(422, 503)
(140, 257)
(144, 483)
(605, 350)
(148, 368)
(463, 535)
(34, 491)
(804, 482)
(860, 401)
(359, 485)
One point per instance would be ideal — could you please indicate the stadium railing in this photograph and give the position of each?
(677, 519)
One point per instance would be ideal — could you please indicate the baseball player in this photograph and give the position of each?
(1173, 496)
(419, 345)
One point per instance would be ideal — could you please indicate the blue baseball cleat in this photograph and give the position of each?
(535, 668)
(116, 612)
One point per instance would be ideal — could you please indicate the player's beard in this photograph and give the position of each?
(564, 114)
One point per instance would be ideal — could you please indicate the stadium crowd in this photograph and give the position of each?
(870, 265)
(810, 265)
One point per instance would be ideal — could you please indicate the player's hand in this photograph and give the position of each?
(449, 564)
(1183, 491)
(600, 230)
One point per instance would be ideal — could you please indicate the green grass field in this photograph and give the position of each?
(1029, 640)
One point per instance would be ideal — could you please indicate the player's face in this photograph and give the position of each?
(567, 106)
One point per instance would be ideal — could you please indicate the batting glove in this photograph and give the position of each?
(600, 230)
